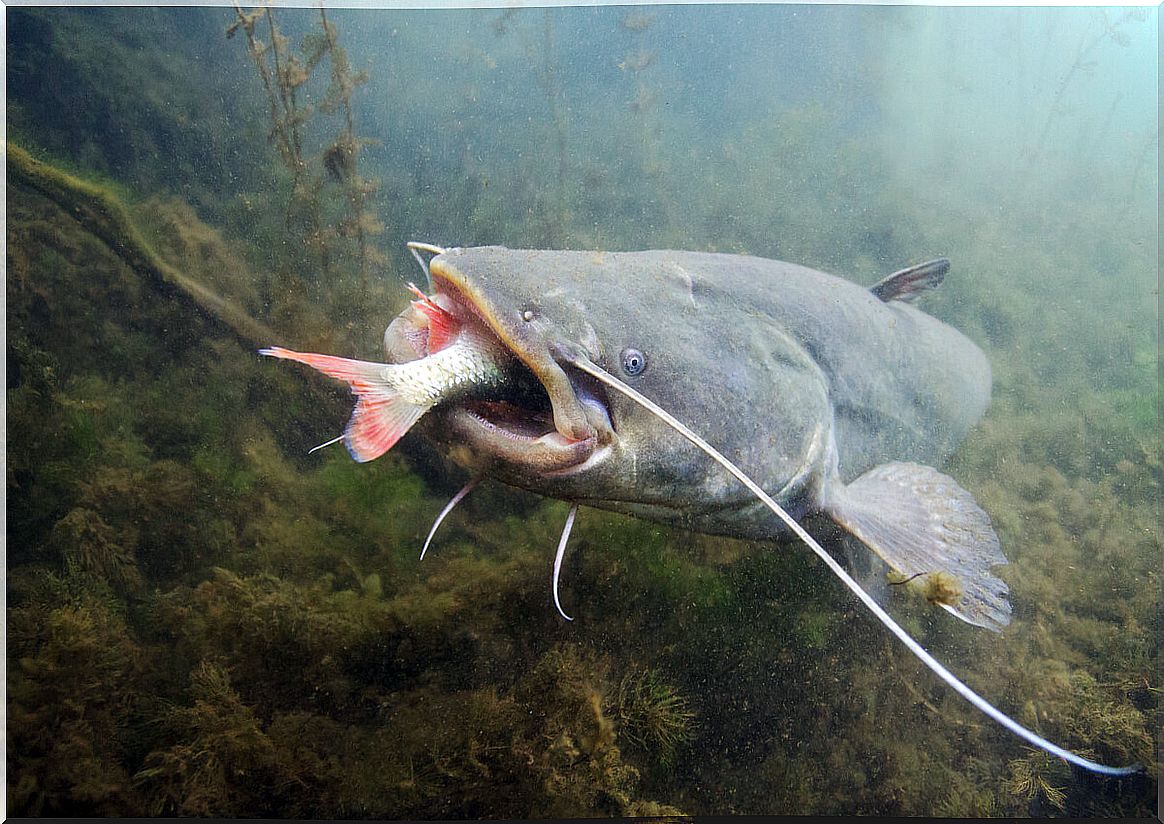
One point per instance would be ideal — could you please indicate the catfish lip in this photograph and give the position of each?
(495, 440)
(524, 343)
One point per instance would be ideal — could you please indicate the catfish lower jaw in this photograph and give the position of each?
(494, 436)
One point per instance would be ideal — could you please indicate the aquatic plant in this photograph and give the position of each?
(221, 762)
(582, 767)
(652, 713)
(1105, 722)
(1034, 780)
(100, 211)
(286, 78)
(180, 237)
(89, 545)
(1149, 148)
(1109, 31)
(340, 158)
(283, 74)
(644, 101)
(73, 700)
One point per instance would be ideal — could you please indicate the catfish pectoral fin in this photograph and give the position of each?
(926, 527)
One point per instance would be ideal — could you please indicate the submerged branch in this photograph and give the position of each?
(106, 217)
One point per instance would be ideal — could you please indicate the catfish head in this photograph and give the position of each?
(568, 436)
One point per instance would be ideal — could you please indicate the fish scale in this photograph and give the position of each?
(466, 364)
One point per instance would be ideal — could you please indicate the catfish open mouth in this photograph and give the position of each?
(543, 419)
(517, 429)
(517, 421)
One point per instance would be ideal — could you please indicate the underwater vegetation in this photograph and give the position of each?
(205, 620)
(653, 714)
(318, 180)
(238, 687)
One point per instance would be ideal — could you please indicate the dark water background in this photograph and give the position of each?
(202, 620)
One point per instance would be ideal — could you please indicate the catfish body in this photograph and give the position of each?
(836, 399)
(798, 376)
(817, 394)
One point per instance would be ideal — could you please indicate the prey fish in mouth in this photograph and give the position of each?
(460, 360)
(602, 379)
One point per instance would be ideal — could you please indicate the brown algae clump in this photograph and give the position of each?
(942, 588)
(1034, 778)
(936, 587)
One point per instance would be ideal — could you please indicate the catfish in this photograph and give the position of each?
(612, 377)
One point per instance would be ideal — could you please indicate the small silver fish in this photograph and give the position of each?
(457, 360)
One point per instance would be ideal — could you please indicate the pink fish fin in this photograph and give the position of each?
(443, 325)
(379, 421)
(381, 416)
(362, 375)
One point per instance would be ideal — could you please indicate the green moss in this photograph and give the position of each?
(73, 680)
(813, 629)
(88, 544)
(222, 763)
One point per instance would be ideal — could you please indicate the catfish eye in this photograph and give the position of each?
(633, 361)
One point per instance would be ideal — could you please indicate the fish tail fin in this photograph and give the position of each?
(929, 529)
(382, 415)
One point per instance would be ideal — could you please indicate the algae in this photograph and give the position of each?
(653, 714)
(311, 217)
(103, 215)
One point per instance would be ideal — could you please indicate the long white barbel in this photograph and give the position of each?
(465, 490)
(416, 247)
(559, 555)
(917, 649)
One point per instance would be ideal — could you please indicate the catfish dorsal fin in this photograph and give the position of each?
(908, 284)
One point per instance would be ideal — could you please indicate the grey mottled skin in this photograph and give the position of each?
(803, 379)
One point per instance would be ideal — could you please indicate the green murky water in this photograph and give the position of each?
(202, 619)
